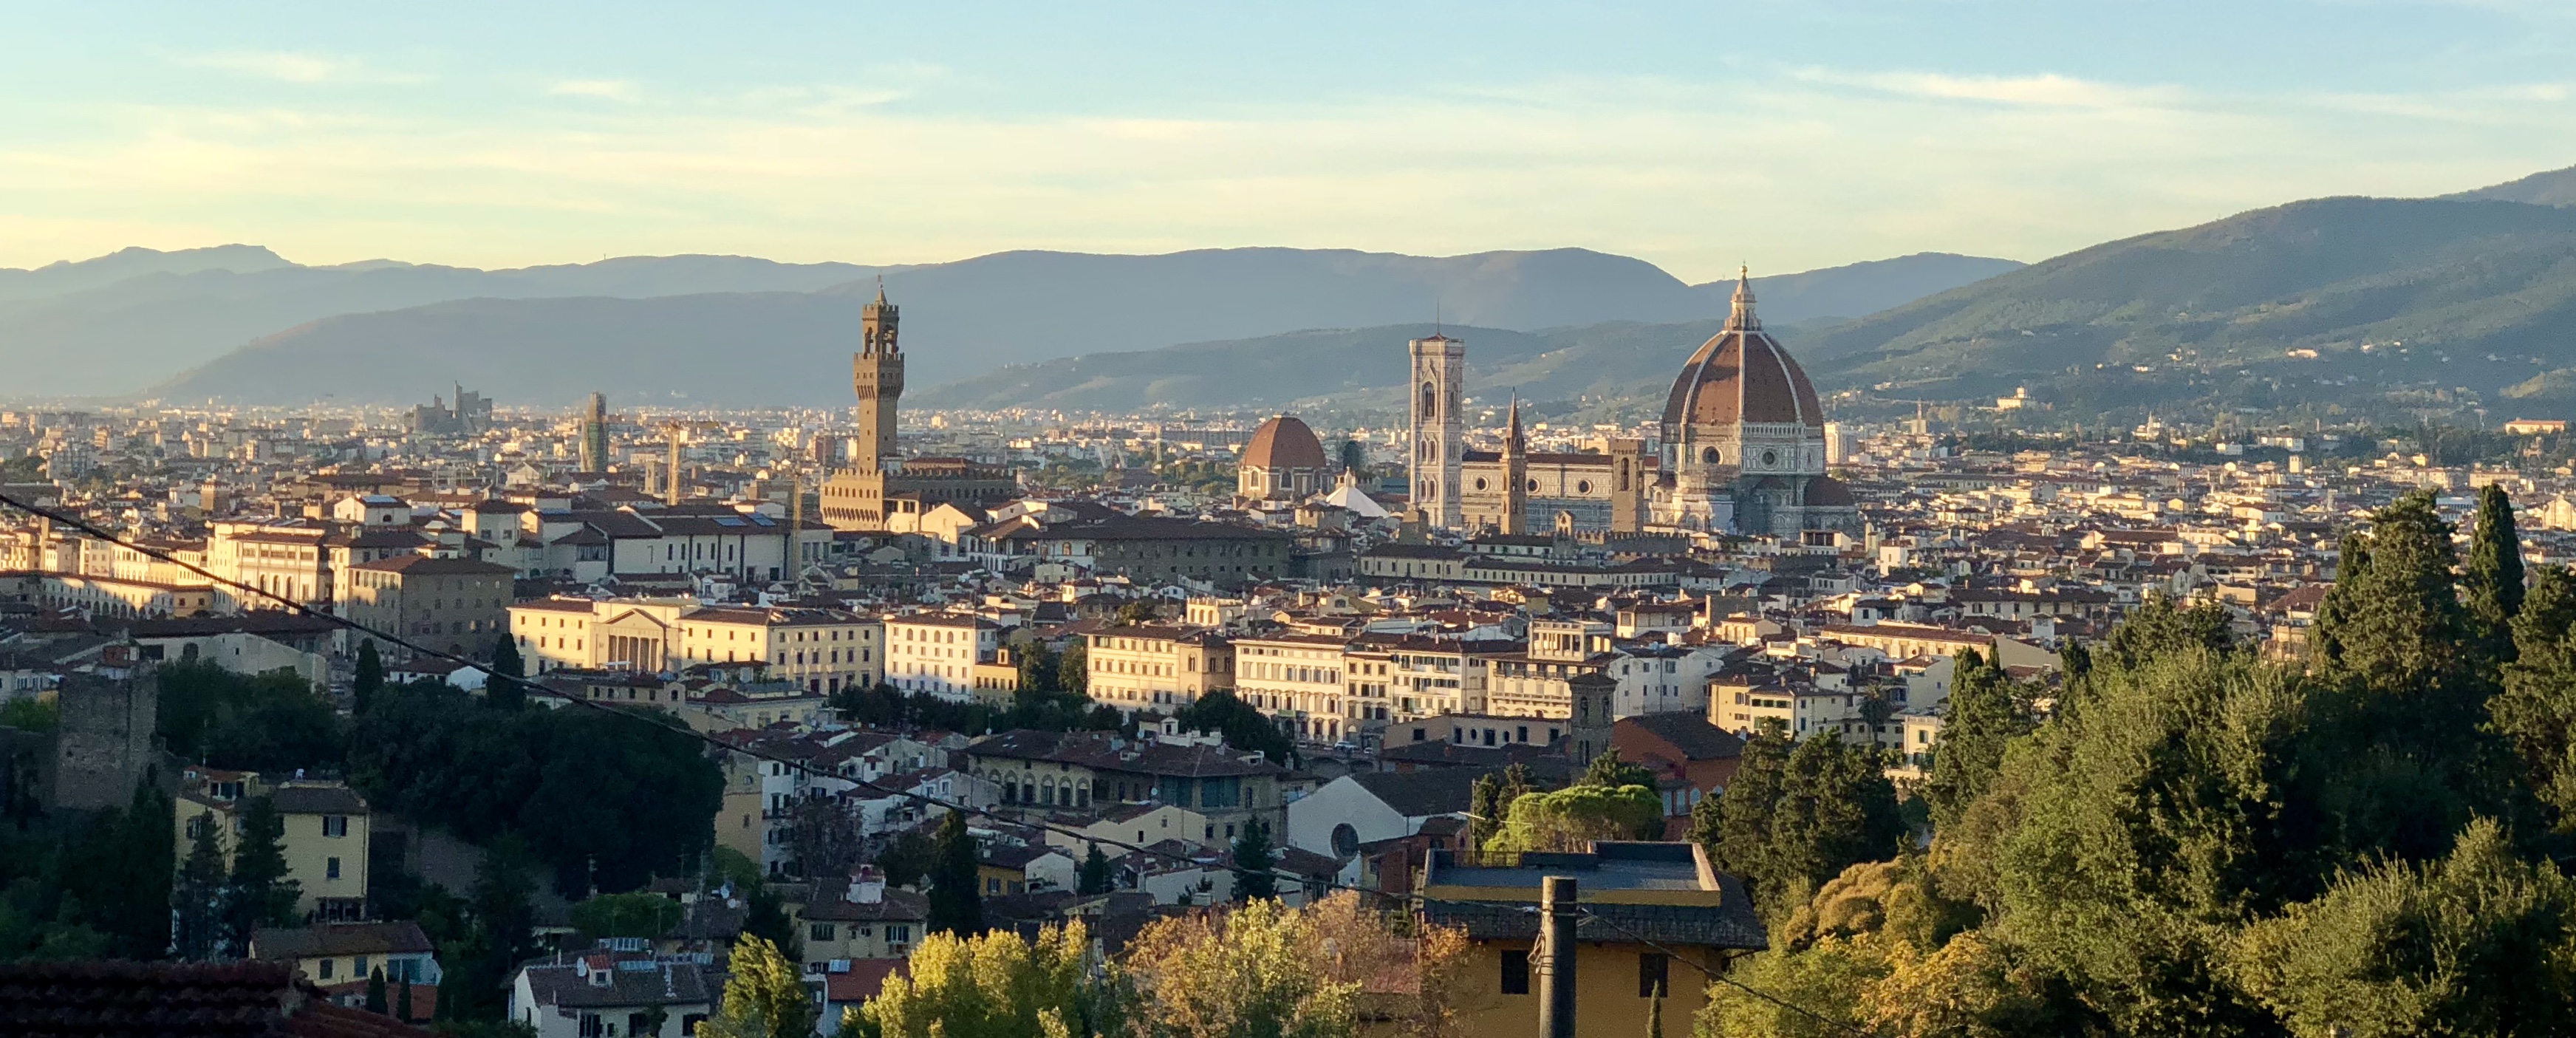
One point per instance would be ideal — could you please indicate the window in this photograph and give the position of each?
(331, 868)
(820, 932)
(323, 972)
(592, 1027)
(639, 1024)
(1650, 974)
(1516, 970)
(335, 825)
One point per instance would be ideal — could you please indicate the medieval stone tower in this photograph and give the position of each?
(1439, 380)
(877, 374)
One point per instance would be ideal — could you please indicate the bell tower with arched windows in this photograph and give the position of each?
(1439, 382)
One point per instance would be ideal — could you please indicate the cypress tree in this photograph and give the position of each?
(1252, 862)
(499, 690)
(376, 991)
(197, 897)
(402, 1002)
(257, 893)
(370, 679)
(1837, 809)
(1095, 876)
(1743, 843)
(2393, 619)
(2491, 583)
(2536, 709)
(1484, 802)
(956, 894)
(1977, 722)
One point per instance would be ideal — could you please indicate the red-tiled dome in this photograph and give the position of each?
(1284, 443)
(1742, 375)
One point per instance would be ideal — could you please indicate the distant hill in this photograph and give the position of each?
(2391, 294)
(1348, 367)
(111, 326)
(966, 319)
(2556, 187)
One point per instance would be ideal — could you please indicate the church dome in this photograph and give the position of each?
(1283, 443)
(1742, 374)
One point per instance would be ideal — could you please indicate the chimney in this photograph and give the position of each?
(867, 885)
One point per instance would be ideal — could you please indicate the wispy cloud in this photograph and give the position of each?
(1788, 170)
(2046, 91)
(296, 67)
(607, 89)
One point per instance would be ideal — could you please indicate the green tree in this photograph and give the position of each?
(907, 859)
(1240, 724)
(1259, 971)
(1073, 669)
(257, 893)
(1040, 670)
(1253, 860)
(1743, 840)
(503, 933)
(402, 1003)
(1485, 806)
(1570, 819)
(2393, 619)
(2491, 582)
(119, 870)
(1095, 876)
(1980, 718)
(2474, 943)
(2156, 627)
(2186, 798)
(764, 997)
(1837, 808)
(31, 715)
(370, 679)
(1135, 613)
(956, 891)
(269, 722)
(198, 933)
(501, 688)
(376, 991)
(1609, 772)
(2536, 710)
(994, 984)
(637, 914)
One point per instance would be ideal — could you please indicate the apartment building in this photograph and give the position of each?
(325, 837)
(825, 650)
(1297, 680)
(459, 605)
(938, 652)
(821, 650)
(1157, 667)
(285, 558)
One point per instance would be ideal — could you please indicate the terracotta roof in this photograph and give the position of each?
(400, 938)
(1283, 443)
(202, 1000)
(1742, 375)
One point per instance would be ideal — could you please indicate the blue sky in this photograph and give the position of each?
(1787, 135)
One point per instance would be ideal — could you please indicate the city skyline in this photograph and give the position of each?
(1792, 138)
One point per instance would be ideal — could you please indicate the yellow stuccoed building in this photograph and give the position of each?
(1632, 893)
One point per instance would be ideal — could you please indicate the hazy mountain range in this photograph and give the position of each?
(2395, 303)
(959, 319)
(2392, 296)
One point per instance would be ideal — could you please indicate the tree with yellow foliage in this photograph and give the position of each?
(997, 985)
(765, 998)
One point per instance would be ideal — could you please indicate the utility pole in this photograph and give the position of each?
(1556, 956)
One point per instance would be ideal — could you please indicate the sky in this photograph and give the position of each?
(1787, 134)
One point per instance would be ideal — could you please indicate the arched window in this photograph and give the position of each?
(1430, 401)
(1709, 455)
